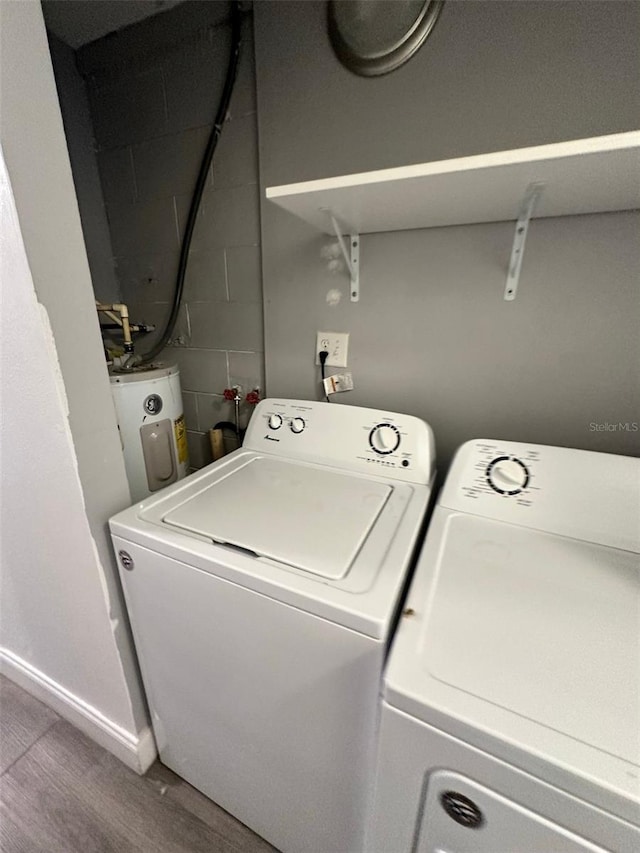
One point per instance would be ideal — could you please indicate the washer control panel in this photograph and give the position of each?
(297, 425)
(387, 443)
(385, 439)
(277, 421)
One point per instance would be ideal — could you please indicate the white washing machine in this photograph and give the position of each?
(511, 712)
(262, 593)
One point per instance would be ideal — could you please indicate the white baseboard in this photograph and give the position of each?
(137, 751)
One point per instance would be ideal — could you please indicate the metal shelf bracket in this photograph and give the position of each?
(351, 255)
(531, 196)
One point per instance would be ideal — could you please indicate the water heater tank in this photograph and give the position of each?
(152, 429)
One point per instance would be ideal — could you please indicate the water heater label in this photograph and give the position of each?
(181, 439)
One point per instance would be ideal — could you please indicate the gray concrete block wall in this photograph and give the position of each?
(153, 103)
(74, 106)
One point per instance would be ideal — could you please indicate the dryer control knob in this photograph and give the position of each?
(275, 421)
(507, 475)
(297, 425)
(384, 438)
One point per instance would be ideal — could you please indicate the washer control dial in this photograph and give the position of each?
(384, 438)
(507, 475)
(275, 421)
(297, 425)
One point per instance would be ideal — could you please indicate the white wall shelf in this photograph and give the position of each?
(581, 176)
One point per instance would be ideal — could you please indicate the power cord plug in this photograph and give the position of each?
(323, 355)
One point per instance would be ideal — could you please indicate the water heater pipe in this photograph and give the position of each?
(112, 311)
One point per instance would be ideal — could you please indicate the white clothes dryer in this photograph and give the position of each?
(511, 713)
(262, 593)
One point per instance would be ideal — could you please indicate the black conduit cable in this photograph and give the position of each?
(232, 73)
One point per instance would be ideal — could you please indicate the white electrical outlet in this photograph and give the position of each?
(336, 344)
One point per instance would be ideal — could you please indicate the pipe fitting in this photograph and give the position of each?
(119, 308)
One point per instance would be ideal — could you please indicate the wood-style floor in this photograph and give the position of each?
(61, 793)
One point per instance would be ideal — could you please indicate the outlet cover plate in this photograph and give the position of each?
(336, 344)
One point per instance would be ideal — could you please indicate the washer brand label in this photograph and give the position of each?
(126, 560)
(271, 438)
(180, 431)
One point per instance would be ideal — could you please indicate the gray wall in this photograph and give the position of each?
(74, 106)
(432, 335)
(154, 90)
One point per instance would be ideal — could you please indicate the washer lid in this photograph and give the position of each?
(536, 625)
(310, 518)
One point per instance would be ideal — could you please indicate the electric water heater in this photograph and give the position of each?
(152, 428)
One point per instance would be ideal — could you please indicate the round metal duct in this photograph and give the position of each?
(373, 37)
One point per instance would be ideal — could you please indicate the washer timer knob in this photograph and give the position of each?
(507, 475)
(275, 421)
(297, 425)
(384, 438)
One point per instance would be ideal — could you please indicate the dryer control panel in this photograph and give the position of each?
(578, 493)
(368, 440)
(499, 469)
